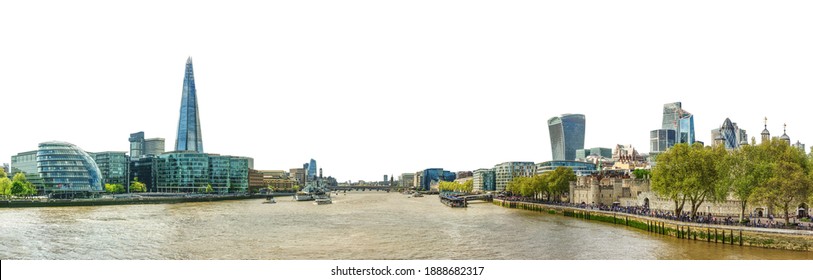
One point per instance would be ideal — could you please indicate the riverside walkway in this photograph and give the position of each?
(764, 224)
(775, 238)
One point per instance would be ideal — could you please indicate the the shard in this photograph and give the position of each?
(189, 136)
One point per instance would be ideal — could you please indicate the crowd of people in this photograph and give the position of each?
(685, 216)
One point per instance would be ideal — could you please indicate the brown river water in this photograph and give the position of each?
(358, 225)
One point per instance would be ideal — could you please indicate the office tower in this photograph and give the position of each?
(566, 135)
(189, 136)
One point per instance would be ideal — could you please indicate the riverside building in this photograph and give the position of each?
(507, 171)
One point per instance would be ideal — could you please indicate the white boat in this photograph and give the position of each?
(301, 196)
(321, 201)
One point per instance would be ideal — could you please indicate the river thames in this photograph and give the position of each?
(358, 225)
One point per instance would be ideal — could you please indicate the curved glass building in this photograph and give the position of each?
(65, 168)
(566, 135)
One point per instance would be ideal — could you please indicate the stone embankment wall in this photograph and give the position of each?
(798, 240)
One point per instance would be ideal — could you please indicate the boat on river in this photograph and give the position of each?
(303, 196)
(323, 201)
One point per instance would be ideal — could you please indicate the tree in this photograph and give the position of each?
(789, 181)
(136, 186)
(209, 188)
(642, 173)
(691, 174)
(559, 181)
(706, 182)
(5, 184)
(519, 186)
(20, 186)
(747, 171)
(114, 188)
(540, 185)
(468, 186)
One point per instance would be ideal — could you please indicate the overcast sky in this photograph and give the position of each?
(369, 88)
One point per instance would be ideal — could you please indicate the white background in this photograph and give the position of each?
(369, 88)
(547, 270)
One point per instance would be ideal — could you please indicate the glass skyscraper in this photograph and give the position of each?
(679, 120)
(730, 134)
(189, 136)
(686, 129)
(677, 127)
(311, 169)
(661, 139)
(566, 135)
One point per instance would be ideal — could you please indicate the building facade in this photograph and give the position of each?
(136, 145)
(189, 172)
(484, 180)
(26, 163)
(506, 172)
(430, 177)
(298, 174)
(579, 167)
(140, 147)
(566, 135)
(582, 154)
(114, 167)
(464, 174)
(189, 132)
(407, 180)
(661, 140)
(143, 170)
(255, 181)
(154, 146)
(67, 171)
(274, 174)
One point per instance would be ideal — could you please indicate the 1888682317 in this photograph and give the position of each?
(454, 270)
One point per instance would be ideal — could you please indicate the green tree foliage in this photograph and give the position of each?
(693, 174)
(642, 173)
(551, 185)
(788, 181)
(209, 189)
(466, 187)
(559, 181)
(114, 188)
(747, 170)
(20, 186)
(5, 184)
(136, 186)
